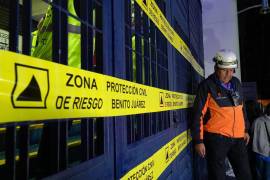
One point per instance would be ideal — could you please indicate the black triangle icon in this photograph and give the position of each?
(32, 92)
(161, 101)
(144, 1)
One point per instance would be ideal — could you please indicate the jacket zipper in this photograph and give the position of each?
(233, 121)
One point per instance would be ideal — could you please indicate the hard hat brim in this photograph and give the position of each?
(233, 66)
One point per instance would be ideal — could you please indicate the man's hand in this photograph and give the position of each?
(246, 138)
(200, 149)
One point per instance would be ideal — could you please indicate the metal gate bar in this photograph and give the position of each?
(10, 140)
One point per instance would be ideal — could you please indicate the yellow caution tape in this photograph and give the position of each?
(154, 13)
(153, 167)
(35, 89)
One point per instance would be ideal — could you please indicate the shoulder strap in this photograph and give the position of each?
(267, 131)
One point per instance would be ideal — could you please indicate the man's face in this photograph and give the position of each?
(224, 75)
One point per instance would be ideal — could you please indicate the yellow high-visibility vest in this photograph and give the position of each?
(134, 68)
(43, 49)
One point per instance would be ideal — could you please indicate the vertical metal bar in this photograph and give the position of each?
(138, 44)
(129, 129)
(63, 60)
(151, 124)
(160, 128)
(164, 71)
(128, 40)
(129, 9)
(63, 144)
(54, 127)
(159, 55)
(85, 139)
(53, 139)
(146, 69)
(86, 63)
(86, 35)
(158, 59)
(56, 34)
(168, 120)
(63, 34)
(96, 135)
(146, 124)
(142, 125)
(10, 152)
(146, 49)
(91, 129)
(133, 128)
(27, 26)
(129, 60)
(188, 20)
(154, 123)
(138, 47)
(153, 55)
(129, 69)
(24, 150)
(152, 75)
(164, 120)
(24, 129)
(99, 39)
(13, 25)
(99, 137)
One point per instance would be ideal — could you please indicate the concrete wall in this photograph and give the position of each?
(220, 30)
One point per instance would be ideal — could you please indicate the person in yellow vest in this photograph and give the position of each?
(43, 50)
(34, 36)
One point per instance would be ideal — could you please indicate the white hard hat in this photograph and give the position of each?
(225, 59)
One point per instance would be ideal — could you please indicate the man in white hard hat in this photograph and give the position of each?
(219, 124)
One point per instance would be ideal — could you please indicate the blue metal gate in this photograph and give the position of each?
(117, 39)
(62, 148)
(150, 59)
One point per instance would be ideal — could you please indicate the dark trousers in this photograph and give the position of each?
(219, 147)
(262, 169)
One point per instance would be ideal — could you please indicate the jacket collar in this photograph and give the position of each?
(215, 78)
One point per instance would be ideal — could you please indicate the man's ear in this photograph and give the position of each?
(215, 67)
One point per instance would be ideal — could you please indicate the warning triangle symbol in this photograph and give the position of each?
(31, 92)
(144, 1)
(161, 101)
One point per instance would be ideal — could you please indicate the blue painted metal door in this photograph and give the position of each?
(150, 59)
(142, 56)
(187, 22)
(93, 158)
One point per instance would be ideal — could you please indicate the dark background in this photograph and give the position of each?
(254, 38)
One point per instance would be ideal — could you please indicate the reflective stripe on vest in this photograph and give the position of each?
(34, 41)
(71, 29)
